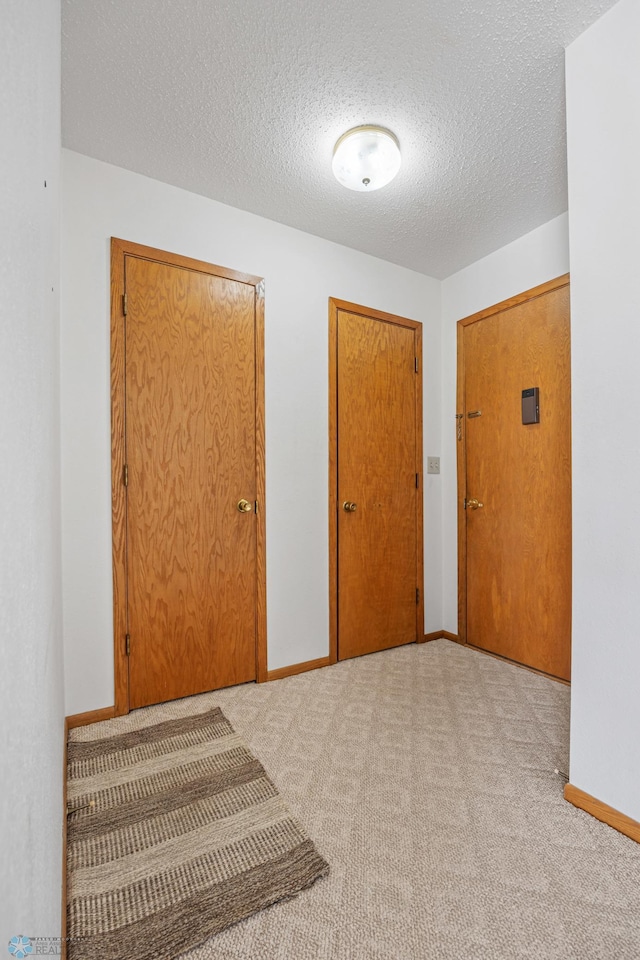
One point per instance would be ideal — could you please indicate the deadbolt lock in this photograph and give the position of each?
(244, 506)
(349, 506)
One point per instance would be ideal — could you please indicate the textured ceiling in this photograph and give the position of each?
(243, 100)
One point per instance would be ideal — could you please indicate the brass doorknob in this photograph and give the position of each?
(473, 503)
(244, 506)
(349, 506)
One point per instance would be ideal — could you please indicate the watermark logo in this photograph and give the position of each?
(32, 947)
(20, 947)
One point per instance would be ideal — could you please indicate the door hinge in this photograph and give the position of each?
(124, 304)
(415, 365)
(127, 643)
(125, 475)
(417, 481)
(417, 594)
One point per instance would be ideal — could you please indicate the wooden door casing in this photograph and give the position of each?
(515, 551)
(193, 341)
(376, 461)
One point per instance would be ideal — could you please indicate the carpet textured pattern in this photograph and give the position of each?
(174, 832)
(425, 775)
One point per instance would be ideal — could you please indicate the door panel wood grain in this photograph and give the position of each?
(518, 543)
(377, 451)
(190, 438)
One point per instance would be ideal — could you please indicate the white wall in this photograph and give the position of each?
(31, 686)
(603, 105)
(301, 272)
(532, 259)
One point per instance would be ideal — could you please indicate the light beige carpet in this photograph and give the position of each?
(426, 777)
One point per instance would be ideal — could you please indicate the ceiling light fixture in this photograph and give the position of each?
(366, 158)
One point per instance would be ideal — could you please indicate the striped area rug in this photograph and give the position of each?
(174, 833)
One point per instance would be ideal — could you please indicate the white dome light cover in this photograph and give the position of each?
(366, 158)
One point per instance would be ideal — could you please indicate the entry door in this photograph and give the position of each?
(190, 475)
(377, 498)
(517, 482)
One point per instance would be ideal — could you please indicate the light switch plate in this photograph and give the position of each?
(433, 464)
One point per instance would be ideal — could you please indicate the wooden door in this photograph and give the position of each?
(190, 456)
(376, 480)
(517, 540)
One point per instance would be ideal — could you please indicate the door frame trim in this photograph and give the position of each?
(532, 294)
(335, 306)
(120, 249)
